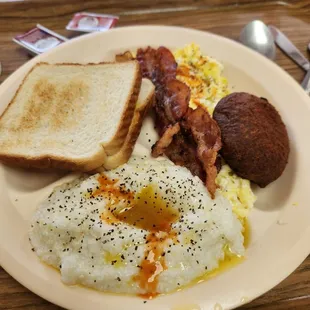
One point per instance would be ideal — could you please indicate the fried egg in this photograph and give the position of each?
(148, 227)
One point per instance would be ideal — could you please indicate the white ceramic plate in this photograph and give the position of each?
(280, 221)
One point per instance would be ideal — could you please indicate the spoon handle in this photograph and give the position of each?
(289, 48)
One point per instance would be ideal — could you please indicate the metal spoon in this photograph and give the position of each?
(258, 37)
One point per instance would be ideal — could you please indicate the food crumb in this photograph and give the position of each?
(279, 222)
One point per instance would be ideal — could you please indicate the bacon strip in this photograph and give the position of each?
(190, 138)
(207, 135)
(176, 99)
(165, 140)
(183, 152)
(167, 66)
(148, 64)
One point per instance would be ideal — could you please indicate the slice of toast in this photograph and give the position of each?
(70, 116)
(144, 101)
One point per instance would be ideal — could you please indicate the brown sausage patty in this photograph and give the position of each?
(255, 140)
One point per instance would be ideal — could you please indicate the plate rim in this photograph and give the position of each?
(302, 242)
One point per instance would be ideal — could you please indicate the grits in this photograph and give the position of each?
(147, 227)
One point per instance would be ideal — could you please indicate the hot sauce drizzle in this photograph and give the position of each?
(145, 210)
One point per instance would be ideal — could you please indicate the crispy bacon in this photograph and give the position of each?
(172, 96)
(148, 64)
(157, 65)
(190, 138)
(165, 140)
(172, 100)
(176, 98)
(183, 152)
(207, 135)
(167, 65)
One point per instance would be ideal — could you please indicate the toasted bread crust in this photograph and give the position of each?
(54, 162)
(19, 88)
(50, 161)
(117, 141)
(123, 155)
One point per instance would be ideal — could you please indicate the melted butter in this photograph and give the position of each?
(230, 260)
(148, 211)
(114, 259)
(108, 217)
(189, 236)
(246, 232)
(148, 268)
(145, 210)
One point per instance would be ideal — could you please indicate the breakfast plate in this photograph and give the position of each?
(279, 223)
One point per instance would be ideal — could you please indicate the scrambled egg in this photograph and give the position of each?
(203, 74)
(236, 190)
